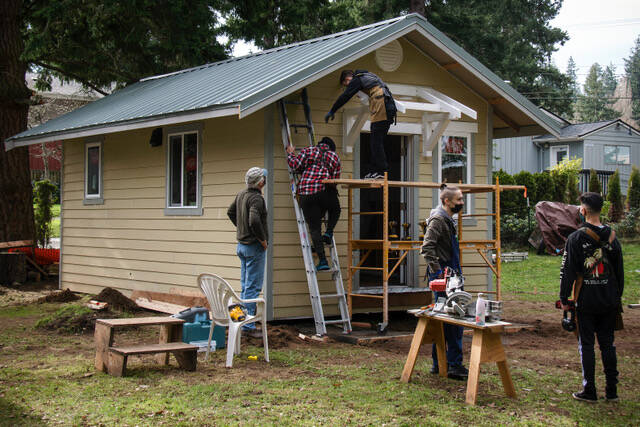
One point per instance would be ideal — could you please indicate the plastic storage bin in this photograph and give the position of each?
(197, 324)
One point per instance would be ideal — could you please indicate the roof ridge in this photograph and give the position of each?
(279, 48)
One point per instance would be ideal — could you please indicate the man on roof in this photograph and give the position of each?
(382, 112)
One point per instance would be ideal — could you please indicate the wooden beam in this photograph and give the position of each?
(352, 134)
(513, 125)
(451, 66)
(497, 101)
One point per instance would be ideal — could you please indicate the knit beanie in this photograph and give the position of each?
(254, 176)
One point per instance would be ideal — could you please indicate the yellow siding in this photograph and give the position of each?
(129, 243)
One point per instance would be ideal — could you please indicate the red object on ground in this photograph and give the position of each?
(42, 256)
(438, 285)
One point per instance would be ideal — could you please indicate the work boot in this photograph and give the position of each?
(611, 394)
(457, 372)
(327, 238)
(323, 265)
(585, 396)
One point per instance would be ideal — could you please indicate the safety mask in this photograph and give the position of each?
(457, 208)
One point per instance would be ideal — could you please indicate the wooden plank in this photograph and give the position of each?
(162, 307)
(184, 298)
(474, 367)
(187, 359)
(117, 364)
(16, 244)
(103, 339)
(416, 342)
(139, 321)
(153, 348)
(493, 326)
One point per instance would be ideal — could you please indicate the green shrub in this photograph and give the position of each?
(543, 187)
(629, 226)
(594, 182)
(604, 213)
(525, 178)
(43, 195)
(633, 192)
(509, 200)
(614, 195)
(515, 230)
(573, 193)
(564, 175)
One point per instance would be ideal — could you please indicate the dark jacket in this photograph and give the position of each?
(600, 265)
(437, 247)
(381, 104)
(248, 213)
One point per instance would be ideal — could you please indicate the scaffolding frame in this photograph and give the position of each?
(402, 247)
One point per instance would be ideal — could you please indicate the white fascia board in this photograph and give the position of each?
(330, 69)
(106, 129)
(406, 128)
(486, 81)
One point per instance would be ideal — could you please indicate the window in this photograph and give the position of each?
(183, 173)
(93, 173)
(617, 155)
(558, 154)
(454, 157)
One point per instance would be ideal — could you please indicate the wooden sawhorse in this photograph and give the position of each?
(485, 347)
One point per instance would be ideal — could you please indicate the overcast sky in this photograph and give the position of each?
(602, 31)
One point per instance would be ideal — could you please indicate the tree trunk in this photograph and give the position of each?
(16, 205)
(417, 6)
(13, 268)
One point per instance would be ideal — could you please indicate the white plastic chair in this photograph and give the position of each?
(220, 295)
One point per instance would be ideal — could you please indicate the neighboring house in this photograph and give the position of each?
(45, 159)
(147, 213)
(604, 146)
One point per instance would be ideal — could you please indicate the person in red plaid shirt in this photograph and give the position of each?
(316, 164)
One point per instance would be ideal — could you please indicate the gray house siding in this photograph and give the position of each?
(575, 150)
(594, 151)
(513, 155)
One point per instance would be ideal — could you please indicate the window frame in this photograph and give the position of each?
(617, 150)
(93, 199)
(172, 210)
(554, 148)
(468, 136)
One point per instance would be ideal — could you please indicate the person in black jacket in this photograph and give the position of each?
(593, 256)
(382, 112)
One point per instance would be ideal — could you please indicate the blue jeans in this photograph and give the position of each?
(452, 339)
(252, 259)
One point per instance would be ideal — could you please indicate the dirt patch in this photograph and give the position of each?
(117, 301)
(74, 319)
(60, 296)
(279, 336)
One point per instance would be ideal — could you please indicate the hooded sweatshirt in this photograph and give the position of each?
(437, 246)
(599, 264)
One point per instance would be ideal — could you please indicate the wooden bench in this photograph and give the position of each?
(170, 341)
(185, 354)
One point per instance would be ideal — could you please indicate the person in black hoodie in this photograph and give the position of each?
(593, 261)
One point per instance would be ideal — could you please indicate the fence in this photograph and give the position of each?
(603, 177)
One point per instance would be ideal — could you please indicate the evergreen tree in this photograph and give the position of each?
(595, 104)
(633, 192)
(573, 193)
(594, 182)
(632, 71)
(614, 196)
(572, 76)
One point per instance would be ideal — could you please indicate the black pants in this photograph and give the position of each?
(378, 157)
(315, 206)
(601, 325)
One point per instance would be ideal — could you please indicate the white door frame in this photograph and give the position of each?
(553, 149)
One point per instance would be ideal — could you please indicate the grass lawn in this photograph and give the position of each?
(47, 378)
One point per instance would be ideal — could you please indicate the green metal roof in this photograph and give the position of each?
(245, 84)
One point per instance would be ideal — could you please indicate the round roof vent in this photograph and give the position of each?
(389, 56)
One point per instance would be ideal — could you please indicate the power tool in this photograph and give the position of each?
(237, 312)
(568, 316)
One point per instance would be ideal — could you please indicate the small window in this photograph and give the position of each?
(93, 173)
(455, 162)
(617, 155)
(183, 174)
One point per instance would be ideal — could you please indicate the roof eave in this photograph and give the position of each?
(141, 123)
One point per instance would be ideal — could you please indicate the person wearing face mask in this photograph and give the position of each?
(593, 271)
(441, 249)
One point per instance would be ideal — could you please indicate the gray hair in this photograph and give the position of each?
(255, 176)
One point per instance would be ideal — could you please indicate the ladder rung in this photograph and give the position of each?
(293, 125)
(367, 296)
(326, 271)
(331, 295)
(333, 322)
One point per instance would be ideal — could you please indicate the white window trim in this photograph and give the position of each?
(93, 199)
(617, 162)
(469, 159)
(184, 210)
(552, 161)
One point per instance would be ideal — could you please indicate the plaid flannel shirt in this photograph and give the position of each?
(315, 164)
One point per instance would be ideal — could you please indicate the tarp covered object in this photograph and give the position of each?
(555, 222)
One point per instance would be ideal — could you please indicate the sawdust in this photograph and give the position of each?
(117, 301)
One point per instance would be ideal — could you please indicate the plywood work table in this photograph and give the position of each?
(485, 347)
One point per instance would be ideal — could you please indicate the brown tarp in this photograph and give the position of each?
(555, 222)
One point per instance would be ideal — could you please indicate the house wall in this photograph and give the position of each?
(128, 243)
(513, 155)
(576, 150)
(594, 151)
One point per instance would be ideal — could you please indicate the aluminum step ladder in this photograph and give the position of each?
(305, 243)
